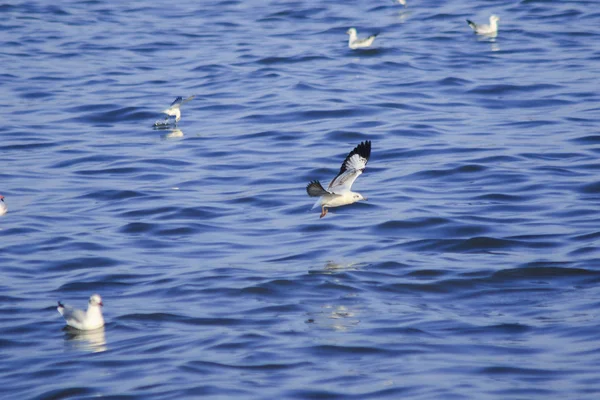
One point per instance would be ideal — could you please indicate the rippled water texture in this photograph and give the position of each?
(471, 273)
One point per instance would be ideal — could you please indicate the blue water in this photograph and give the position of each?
(471, 273)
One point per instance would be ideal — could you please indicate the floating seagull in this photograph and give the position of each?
(174, 109)
(339, 191)
(3, 206)
(355, 43)
(490, 29)
(403, 2)
(84, 320)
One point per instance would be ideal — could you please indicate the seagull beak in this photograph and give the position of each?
(365, 198)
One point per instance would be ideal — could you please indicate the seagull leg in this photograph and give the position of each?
(323, 212)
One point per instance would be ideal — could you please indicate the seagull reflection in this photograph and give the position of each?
(339, 318)
(332, 267)
(174, 134)
(92, 341)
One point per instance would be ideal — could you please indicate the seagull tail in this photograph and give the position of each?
(472, 24)
(61, 308)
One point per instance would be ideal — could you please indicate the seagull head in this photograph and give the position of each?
(1, 198)
(358, 197)
(351, 31)
(494, 18)
(96, 300)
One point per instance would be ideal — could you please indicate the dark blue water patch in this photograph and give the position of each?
(168, 212)
(69, 244)
(109, 171)
(155, 318)
(82, 263)
(587, 140)
(529, 124)
(343, 136)
(502, 330)
(91, 287)
(138, 227)
(67, 393)
(290, 60)
(112, 195)
(420, 223)
(292, 13)
(98, 158)
(502, 198)
(584, 251)
(427, 274)
(550, 156)
(456, 172)
(503, 103)
(29, 146)
(551, 274)
(177, 231)
(481, 244)
(589, 188)
(520, 373)
(557, 171)
(587, 237)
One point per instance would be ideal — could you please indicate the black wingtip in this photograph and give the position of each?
(364, 149)
(61, 305)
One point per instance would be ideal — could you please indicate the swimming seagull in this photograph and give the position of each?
(84, 320)
(3, 206)
(174, 109)
(482, 29)
(339, 191)
(355, 43)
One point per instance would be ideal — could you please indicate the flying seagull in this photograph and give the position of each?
(482, 29)
(84, 320)
(339, 191)
(174, 109)
(3, 206)
(355, 43)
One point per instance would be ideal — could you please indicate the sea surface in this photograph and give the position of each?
(472, 271)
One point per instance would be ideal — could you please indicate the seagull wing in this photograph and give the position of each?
(352, 167)
(177, 102)
(472, 24)
(315, 189)
(72, 316)
(186, 100)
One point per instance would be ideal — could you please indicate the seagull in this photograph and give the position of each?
(173, 110)
(339, 191)
(84, 320)
(3, 206)
(490, 29)
(355, 43)
(403, 2)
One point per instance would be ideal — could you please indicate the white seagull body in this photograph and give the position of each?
(339, 192)
(84, 320)
(355, 43)
(3, 206)
(174, 108)
(482, 29)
